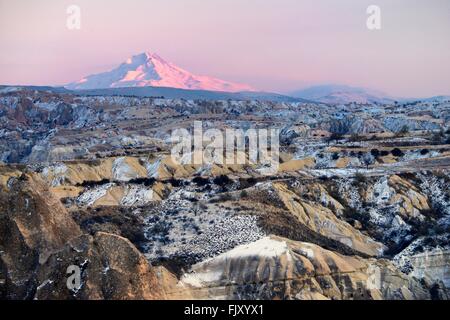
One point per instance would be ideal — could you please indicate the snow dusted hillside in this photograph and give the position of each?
(149, 69)
(337, 94)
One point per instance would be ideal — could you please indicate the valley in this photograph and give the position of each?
(359, 208)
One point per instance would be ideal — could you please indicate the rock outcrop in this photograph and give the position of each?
(111, 268)
(277, 268)
(39, 240)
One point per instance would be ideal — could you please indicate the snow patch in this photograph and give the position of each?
(89, 197)
(137, 196)
(122, 171)
(265, 247)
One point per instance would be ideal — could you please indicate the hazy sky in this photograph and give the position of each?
(274, 45)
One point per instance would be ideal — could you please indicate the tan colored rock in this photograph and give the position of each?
(277, 268)
(411, 200)
(7, 173)
(34, 223)
(39, 240)
(112, 268)
(294, 165)
(322, 220)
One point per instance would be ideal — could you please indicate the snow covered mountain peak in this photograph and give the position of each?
(149, 69)
(144, 58)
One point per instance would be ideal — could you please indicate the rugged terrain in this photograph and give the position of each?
(359, 208)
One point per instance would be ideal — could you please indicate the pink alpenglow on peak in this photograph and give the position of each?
(149, 69)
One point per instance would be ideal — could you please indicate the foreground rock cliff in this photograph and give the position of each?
(39, 240)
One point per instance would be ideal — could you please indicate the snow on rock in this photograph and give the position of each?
(382, 213)
(89, 197)
(426, 257)
(417, 155)
(224, 235)
(49, 106)
(265, 247)
(57, 172)
(10, 89)
(122, 171)
(137, 196)
(396, 123)
(382, 192)
(192, 231)
(346, 172)
(152, 168)
(437, 191)
(350, 193)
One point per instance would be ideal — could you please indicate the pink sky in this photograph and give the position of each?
(273, 45)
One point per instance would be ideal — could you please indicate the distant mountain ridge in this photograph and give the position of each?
(173, 93)
(149, 69)
(341, 94)
(441, 98)
(160, 92)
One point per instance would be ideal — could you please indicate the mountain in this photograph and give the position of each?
(149, 69)
(160, 92)
(435, 99)
(336, 94)
(15, 88)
